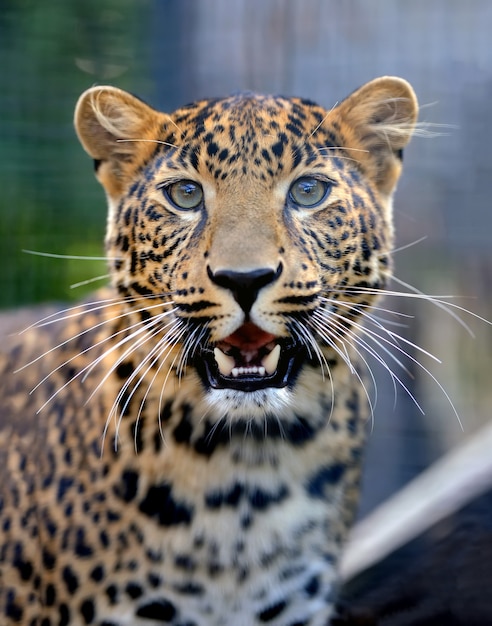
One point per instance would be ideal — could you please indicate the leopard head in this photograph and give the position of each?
(255, 230)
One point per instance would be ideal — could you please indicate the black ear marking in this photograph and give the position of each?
(399, 154)
(97, 164)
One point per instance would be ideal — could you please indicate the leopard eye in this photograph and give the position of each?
(308, 191)
(185, 194)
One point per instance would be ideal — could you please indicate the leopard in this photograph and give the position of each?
(185, 446)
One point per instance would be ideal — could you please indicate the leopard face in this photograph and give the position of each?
(252, 229)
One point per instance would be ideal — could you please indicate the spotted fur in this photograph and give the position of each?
(139, 483)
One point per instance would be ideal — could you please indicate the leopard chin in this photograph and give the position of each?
(249, 406)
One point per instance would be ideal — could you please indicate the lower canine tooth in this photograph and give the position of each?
(270, 362)
(224, 362)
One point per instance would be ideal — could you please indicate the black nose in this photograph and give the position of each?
(245, 286)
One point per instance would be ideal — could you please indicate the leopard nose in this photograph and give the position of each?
(245, 286)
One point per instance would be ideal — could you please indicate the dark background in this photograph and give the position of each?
(170, 52)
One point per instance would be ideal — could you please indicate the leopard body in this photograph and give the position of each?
(191, 451)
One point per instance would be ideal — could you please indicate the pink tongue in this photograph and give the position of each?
(249, 337)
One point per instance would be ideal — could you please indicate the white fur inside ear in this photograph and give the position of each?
(106, 116)
(114, 115)
(397, 121)
(382, 111)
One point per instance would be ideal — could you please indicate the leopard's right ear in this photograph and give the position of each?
(109, 123)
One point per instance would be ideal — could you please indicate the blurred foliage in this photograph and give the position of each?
(50, 52)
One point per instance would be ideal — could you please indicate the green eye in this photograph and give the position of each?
(185, 194)
(308, 191)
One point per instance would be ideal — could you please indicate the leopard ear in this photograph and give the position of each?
(106, 118)
(381, 118)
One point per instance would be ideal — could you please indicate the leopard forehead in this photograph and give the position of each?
(246, 133)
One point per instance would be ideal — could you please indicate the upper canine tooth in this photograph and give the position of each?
(225, 363)
(270, 362)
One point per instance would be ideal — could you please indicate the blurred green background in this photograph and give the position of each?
(170, 52)
(50, 52)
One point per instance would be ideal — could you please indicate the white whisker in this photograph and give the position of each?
(341, 148)
(337, 156)
(318, 126)
(407, 245)
(356, 339)
(52, 317)
(360, 306)
(88, 330)
(173, 123)
(185, 349)
(330, 334)
(163, 143)
(151, 357)
(171, 339)
(88, 281)
(72, 257)
(144, 327)
(392, 336)
(308, 340)
(85, 370)
(392, 340)
(219, 422)
(88, 367)
(94, 307)
(441, 301)
(445, 306)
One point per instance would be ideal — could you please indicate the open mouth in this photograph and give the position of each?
(250, 359)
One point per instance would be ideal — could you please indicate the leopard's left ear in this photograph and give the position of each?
(380, 117)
